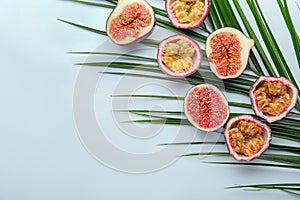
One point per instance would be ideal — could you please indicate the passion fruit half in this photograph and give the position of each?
(206, 107)
(179, 56)
(228, 51)
(246, 137)
(273, 97)
(130, 21)
(185, 14)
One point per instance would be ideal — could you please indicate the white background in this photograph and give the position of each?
(41, 156)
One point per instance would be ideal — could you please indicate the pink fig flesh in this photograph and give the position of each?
(206, 107)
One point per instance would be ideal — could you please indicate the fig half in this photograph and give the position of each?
(228, 51)
(246, 137)
(206, 107)
(273, 97)
(187, 14)
(179, 56)
(130, 21)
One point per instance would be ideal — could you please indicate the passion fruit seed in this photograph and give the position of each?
(130, 22)
(226, 53)
(206, 107)
(178, 55)
(272, 98)
(188, 11)
(246, 138)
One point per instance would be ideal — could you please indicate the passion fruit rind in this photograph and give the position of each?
(206, 107)
(186, 12)
(291, 92)
(189, 45)
(265, 133)
(228, 51)
(131, 21)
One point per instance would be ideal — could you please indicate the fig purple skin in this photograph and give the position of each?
(291, 90)
(266, 133)
(175, 21)
(131, 21)
(197, 57)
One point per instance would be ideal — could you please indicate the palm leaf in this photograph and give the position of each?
(277, 131)
(128, 56)
(258, 46)
(293, 160)
(161, 22)
(289, 23)
(271, 44)
(222, 14)
(90, 3)
(276, 147)
(292, 188)
(227, 17)
(94, 30)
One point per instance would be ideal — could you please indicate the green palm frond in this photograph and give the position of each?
(291, 188)
(94, 30)
(271, 44)
(279, 130)
(265, 59)
(278, 58)
(287, 160)
(276, 147)
(130, 56)
(289, 23)
(258, 46)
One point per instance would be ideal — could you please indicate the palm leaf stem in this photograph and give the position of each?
(229, 86)
(283, 123)
(84, 27)
(203, 76)
(276, 147)
(90, 3)
(257, 164)
(150, 96)
(149, 42)
(144, 58)
(172, 112)
(112, 1)
(268, 185)
(161, 121)
(292, 134)
(291, 188)
(287, 160)
(193, 34)
(234, 85)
